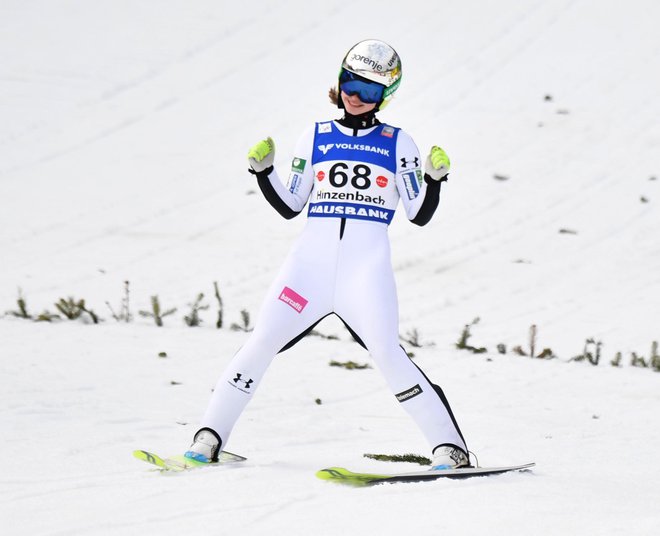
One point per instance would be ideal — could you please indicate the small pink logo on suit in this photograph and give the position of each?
(293, 299)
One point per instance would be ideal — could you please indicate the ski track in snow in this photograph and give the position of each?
(123, 133)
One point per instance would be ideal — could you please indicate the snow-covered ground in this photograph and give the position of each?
(123, 132)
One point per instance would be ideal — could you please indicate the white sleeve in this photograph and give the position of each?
(409, 175)
(301, 177)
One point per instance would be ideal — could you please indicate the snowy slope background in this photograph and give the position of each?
(123, 132)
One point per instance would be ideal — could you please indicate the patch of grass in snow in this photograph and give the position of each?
(412, 458)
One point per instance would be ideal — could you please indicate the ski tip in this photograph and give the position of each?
(140, 454)
(342, 475)
(331, 473)
(149, 457)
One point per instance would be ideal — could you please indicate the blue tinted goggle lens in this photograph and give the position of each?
(369, 92)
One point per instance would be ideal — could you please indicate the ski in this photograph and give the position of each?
(180, 463)
(341, 475)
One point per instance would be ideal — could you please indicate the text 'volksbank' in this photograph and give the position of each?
(353, 147)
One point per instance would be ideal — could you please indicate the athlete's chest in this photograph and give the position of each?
(355, 164)
(354, 176)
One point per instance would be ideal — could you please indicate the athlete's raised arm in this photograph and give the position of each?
(419, 190)
(288, 200)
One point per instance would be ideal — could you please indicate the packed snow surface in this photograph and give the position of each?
(123, 132)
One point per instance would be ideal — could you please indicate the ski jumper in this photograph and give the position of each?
(352, 179)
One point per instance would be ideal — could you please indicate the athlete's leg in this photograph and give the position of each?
(297, 299)
(366, 300)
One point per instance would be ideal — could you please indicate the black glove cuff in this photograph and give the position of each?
(429, 180)
(263, 173)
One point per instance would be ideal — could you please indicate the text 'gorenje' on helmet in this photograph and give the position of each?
(376, 61)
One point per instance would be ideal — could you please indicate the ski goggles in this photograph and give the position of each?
(368, 92)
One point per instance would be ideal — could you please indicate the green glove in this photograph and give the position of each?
(262, 155)
(437, 164)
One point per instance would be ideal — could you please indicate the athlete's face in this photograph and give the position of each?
(355, 106)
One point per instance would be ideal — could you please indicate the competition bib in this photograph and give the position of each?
(354, 177)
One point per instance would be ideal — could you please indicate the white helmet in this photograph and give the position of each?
(376, 61)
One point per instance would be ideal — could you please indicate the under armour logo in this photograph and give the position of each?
(246, 383)
(405, 162)
(325, 148)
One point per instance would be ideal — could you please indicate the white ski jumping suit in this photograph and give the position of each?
(353, 179)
